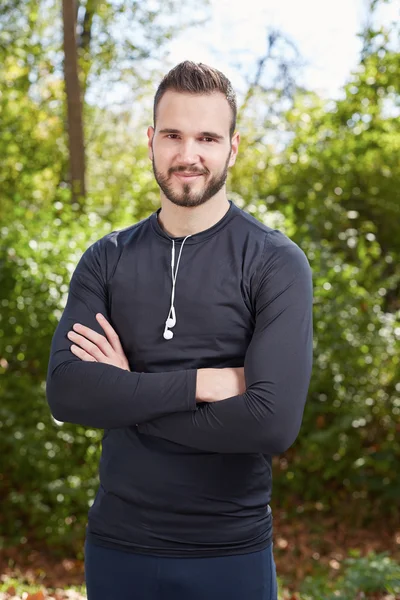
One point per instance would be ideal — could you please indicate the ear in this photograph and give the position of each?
(150, 135)
(234, 148)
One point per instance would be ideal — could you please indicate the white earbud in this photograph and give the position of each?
(168, 335)
(171, 321)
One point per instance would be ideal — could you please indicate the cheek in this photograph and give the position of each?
(217, 164)
(162, 155)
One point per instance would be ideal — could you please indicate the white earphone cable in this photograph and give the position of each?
(174, 275)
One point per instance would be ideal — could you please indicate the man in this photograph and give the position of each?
(191, 338)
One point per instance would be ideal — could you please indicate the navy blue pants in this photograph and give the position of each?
(118, 575)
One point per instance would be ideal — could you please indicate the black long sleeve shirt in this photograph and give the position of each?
(179, 478)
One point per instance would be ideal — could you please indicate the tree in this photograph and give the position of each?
(74, 103)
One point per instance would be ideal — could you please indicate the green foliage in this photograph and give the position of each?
(375, 573)
(38, 591)
(39, 488)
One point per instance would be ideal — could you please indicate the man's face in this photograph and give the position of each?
(190, 148)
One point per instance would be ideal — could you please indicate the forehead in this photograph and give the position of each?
(188, 112)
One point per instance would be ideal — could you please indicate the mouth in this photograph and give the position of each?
(188, 176)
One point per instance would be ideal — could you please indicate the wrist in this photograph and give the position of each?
(203, 392)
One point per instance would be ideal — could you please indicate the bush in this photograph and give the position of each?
(374, 573)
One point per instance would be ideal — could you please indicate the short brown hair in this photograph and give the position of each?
(196, 78)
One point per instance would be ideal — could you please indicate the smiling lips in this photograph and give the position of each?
(189, 175)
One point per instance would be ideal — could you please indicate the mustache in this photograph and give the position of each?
(186, 170)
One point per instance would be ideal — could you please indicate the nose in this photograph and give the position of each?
(188, 154)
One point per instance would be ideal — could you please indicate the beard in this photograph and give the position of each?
(187, 197)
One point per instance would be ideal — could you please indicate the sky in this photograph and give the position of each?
(324, 32)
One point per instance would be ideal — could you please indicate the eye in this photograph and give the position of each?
(172, 136)
(207, 139)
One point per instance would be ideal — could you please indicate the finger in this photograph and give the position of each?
(82, 354)
(110, 332)
(98, 340)
(86, 345)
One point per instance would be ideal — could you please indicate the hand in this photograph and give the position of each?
(219, 384)
(93, 347)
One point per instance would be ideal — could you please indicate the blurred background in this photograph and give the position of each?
(318, 87)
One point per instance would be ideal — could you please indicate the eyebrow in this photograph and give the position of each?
(211, 134)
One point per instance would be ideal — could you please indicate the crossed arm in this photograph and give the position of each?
(265, 417)
(212, 385)
(90, 382)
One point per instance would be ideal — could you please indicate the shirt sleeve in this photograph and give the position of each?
(277, 366)
(100, 395)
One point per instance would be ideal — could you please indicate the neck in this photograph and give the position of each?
(180, 221)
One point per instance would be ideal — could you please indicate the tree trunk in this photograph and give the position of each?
(84, 41)
(74, 104)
